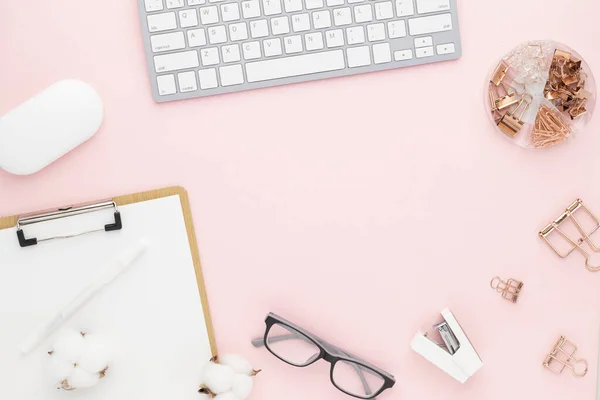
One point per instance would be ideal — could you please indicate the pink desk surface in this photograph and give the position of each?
(356, 207)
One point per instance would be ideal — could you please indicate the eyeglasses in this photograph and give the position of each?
(300, 348)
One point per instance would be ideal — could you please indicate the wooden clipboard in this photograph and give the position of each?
(11, 222)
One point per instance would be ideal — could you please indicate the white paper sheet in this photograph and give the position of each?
(152, 312)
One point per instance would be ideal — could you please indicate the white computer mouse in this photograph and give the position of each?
(49, 125)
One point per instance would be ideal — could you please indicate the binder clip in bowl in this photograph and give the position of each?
(456, 356)
(576, 213)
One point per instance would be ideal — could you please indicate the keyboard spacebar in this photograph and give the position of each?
(295, 66)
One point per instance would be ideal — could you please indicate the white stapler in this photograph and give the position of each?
(456, 356)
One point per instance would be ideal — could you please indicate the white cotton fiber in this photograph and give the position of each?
(237, 363)
(218, 378)
(242, 386)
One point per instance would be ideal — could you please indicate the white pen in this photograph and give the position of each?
(104, 278)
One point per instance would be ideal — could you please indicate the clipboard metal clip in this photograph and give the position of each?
(577, 242)
(65, 213)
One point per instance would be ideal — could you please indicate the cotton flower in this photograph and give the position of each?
(78, 360)
(227, 378)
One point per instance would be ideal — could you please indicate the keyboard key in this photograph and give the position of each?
(162, 22)
(295, 66)
(312, 4)
(251, 9)
(217, 34)
(272, 7)
(321, 19)
(396, 29)
(424, 52)
(196, 2)
(434, 23)
(230, 12)
(175, 3)
(384, 10)
(207, 78)
(196, 37)
(358, 56)
(402, 55)
(153, 5)
(259, 28)
(166, 85)
(188, 18)
(280, 25)
(376, 32)
(209, 56)
(238, 31)
(424, 41)
(342, 16)
(175, 61)
(363, 13)
(251, 50)
(314, 41)
(215, 1)
(187, 81)
(335, 38)
(292, 5)
(167, 42)
(355, 35)
(300, 22)
(231, 75)
(429, 6)
(382, 53)
(209, 15)
(404, 8)
(230, 53)
(332, 3)
(272, 47)
(447, 48)
(293, 44)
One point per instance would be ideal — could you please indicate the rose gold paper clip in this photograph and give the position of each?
(563, 356)
(509, 290)
(574, 243)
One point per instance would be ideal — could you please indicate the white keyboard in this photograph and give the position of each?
(198, 48)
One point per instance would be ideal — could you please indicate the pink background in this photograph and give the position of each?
(357, 207)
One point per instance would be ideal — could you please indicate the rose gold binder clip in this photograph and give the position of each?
(509, 97)
(563, 356)
(512, 124)
(576, 243)
(509, 290)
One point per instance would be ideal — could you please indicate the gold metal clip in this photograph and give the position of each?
(499, 73)
(509, 290)
(511, 124)
(563, 356)
(574, 243)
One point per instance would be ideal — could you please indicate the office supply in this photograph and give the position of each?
(457, 356)
(510, 123)
(157, 312)
(509, 290)
(562, 356)
(584, 233)
(540, 94)
(49, 125)
(300, 348)
(102, 279)
(199, 48)
(549, 128)
(566, 83)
